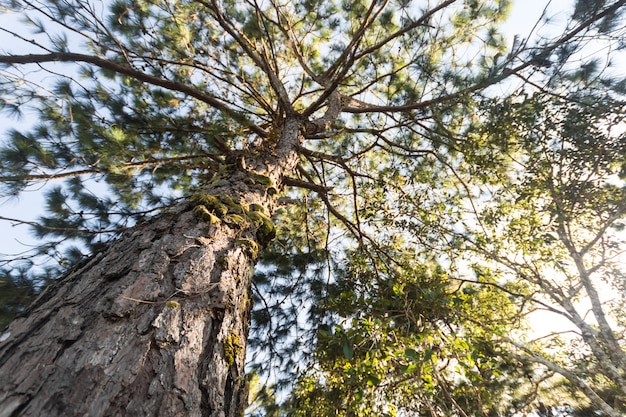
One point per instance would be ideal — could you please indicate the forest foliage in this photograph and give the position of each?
(453, 183)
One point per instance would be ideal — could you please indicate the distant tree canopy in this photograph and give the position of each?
(431, 185)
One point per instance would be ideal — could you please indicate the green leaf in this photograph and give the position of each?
(348, 351)
(372, 380)
(411, 354)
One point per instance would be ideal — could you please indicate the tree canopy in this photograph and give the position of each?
(450, 183)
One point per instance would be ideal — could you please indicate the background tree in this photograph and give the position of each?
(194, 117)
(557, 227)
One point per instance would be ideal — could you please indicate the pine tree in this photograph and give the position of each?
(210, 127)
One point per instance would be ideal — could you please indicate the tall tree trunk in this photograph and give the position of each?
(156, 324)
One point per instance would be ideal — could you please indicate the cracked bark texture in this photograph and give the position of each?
(155, 325)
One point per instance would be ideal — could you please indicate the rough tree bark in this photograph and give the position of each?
(156, 324)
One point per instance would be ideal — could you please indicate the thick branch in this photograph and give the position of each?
(47, 177)
(362, 107)
(64, 229)
(259, 60)
(95, 170)
(294, 182)
(331, 114)
(141, 76)
(570, 376)
(422, 21)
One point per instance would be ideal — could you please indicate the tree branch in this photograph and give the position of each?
(294, 182)
(372, 108)
(138, 75)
